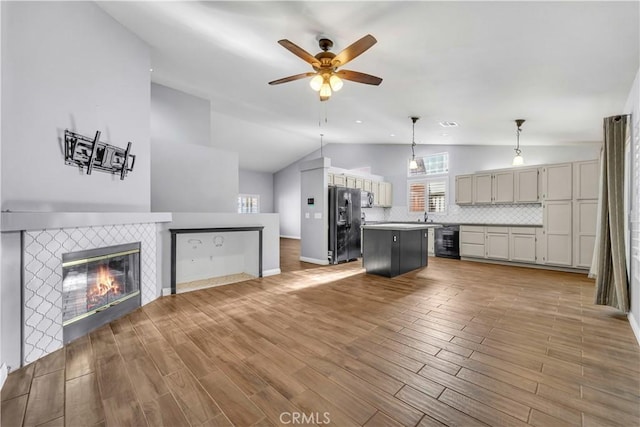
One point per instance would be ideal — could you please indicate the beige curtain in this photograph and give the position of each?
(612, 286)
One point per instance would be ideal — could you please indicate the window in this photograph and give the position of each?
(431, 165)
(248, 203)
(428, 196)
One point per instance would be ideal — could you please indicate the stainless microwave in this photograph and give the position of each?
(366, 199)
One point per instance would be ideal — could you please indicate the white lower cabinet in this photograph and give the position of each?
(497, 243)
(584, 232)
(472, 241)
(431, 246)
(522, 244)
(558, 233)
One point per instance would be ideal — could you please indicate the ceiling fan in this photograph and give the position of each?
(327, 77)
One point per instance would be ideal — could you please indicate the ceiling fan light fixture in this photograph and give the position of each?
(336, 83)
(316, 82)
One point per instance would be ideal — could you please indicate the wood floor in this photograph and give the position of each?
(457, 343)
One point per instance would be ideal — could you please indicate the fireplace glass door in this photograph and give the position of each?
(96, 280)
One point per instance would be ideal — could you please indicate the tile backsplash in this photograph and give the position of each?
(481, 214)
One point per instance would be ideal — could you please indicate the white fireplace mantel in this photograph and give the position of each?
(19, 221)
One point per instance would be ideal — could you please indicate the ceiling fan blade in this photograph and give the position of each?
(358, 77)
(299, 52)
(292, 78)
(353, 50)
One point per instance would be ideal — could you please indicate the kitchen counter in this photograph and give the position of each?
(393, 248)
(401, 226)
(436, 223)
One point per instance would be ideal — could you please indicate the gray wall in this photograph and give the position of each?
(261, 183)
(391, 161)
(179, 117)
(187, 174)
(314, 218)
(70, 65)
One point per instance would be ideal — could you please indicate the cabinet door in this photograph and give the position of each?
(586, 179)
(350, 181)
(503, 187)
(339, 180)
(330, 178)
(557, 182)
(366, 184)
(359, 184)
(497, 245)
(482, 189)
(526, 186)
(424, 247)
(431, 246)
(388, 189)
(375, 189)
(558, 233)
(523, 247)
(464, 185)
(585, 215)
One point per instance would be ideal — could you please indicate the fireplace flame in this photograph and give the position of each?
(104, 285)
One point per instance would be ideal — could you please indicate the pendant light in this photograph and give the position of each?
(413, 165)
(518, 160)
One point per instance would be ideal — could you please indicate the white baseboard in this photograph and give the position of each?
(634, 327)
(3, 374)
(272, 272)
(166, 291)
(314, 260)
(290, 237)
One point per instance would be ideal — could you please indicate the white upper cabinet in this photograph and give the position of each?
(557, 182)
(586, 179)
(502, 189)
(482, 189)
(366, 185)
(339, 180)
(359, 183)
(350, 181)
(526, 185)
(464, 193)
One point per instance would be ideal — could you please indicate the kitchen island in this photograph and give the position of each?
(391, 249)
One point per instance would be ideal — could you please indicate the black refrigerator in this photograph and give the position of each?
(344, 224)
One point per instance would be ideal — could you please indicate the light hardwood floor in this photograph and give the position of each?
(457, 343)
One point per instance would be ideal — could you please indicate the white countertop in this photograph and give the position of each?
(400, 226)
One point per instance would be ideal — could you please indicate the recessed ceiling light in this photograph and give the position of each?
(358, 121)
(393, 134)
(446, 124)
(444, 134)
(151, 70)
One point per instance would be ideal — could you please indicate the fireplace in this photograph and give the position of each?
(98, 286)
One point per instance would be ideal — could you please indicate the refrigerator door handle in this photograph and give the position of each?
(349, 212)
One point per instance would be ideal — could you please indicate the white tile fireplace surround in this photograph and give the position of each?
(43, 238)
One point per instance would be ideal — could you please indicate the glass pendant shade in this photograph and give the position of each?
(316, 82)
(325, 90)
(336, 83)
(518, 160)
(413, 165)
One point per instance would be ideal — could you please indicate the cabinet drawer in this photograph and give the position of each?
(523, 230)
(498, 230)
(476, 228)
(469, 249)
(473, 237)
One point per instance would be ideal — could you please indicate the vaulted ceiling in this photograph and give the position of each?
(562, 66)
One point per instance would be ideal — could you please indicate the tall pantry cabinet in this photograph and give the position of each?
(569, 201)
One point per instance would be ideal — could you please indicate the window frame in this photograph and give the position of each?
(426, 174)
(426, 181)
(248, 196)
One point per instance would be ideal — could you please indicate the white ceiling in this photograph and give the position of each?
(562, 66)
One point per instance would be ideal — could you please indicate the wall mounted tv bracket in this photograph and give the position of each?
(93, 154)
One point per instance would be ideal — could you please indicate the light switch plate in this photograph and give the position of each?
(306, 215)
(317, 215)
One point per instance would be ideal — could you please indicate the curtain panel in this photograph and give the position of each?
(612, 285)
